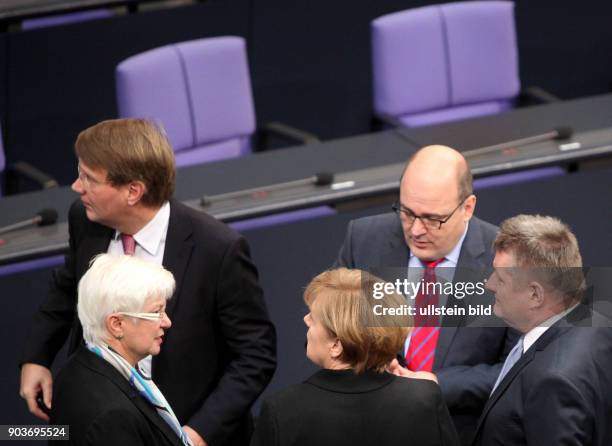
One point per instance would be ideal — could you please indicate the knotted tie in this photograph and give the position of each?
(129, 244)
(421, 351)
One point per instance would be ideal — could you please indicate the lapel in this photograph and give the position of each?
(390, 261)
(558, 329)
(177, 252)
(95, 240)
(178, 249)
(395, 251)
(469, 269)
(100, 366)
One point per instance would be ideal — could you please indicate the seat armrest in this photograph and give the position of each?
(536, 94)
(285, 131)
(21, 168)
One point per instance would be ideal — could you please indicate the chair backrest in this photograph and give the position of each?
(199, 90)
(441, 56)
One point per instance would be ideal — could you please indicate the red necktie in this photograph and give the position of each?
(421, 351)
(129, 244)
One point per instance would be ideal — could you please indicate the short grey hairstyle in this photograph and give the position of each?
(118, 283)
(548, 247)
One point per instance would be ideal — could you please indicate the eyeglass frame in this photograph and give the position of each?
(87, 180)
(399, 208)
(155, 317)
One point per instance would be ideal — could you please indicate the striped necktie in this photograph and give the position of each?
(424, 338)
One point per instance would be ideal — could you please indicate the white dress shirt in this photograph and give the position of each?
(150, 246)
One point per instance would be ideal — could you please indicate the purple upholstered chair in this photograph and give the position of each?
(199, 90)
(445, 62)
(65, 19)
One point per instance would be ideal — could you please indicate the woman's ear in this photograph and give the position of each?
(336, 349)
(114, 325)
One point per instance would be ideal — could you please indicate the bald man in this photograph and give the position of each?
(434, 226)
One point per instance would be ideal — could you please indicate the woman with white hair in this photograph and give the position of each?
(101, 393)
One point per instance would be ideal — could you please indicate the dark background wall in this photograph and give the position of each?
(310, 64)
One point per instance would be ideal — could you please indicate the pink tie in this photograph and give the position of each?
(421, 351)
(129, 244)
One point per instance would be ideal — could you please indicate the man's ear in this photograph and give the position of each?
(136, 190)
(536, 296)
(468, 206)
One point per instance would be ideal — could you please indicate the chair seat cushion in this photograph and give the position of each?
(232, 148)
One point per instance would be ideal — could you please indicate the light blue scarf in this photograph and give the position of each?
(145, 386)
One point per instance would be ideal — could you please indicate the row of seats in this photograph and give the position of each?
(430, 65)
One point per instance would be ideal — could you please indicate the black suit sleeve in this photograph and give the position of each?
(266, 429)
(345, 256)
(251, 340)
(52, 322)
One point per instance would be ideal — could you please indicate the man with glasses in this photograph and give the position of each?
(433, 231)
(220, 353)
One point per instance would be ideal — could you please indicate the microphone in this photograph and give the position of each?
(558, 133)
(319, 179)
(42, 218)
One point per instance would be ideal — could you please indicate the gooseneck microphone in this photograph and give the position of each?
(319, 179)
(559, 133)
(42, 218)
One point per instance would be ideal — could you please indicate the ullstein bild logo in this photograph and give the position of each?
(432, 310)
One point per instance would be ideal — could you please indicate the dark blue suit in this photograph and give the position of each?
(467, 359)
(559, 392)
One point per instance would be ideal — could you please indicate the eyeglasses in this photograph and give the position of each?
(86, 179)
(432, 223)
(146, 316)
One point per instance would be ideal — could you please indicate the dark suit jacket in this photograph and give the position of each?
(337, 407)
(102, 408)
(558, 393)
(467, 359)
(221, 350)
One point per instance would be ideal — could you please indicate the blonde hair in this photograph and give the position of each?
(548, 248)
(342, 300)
(131, 150)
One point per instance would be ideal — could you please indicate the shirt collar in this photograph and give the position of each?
(452, 258)
(533, 335)
(151, 236)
